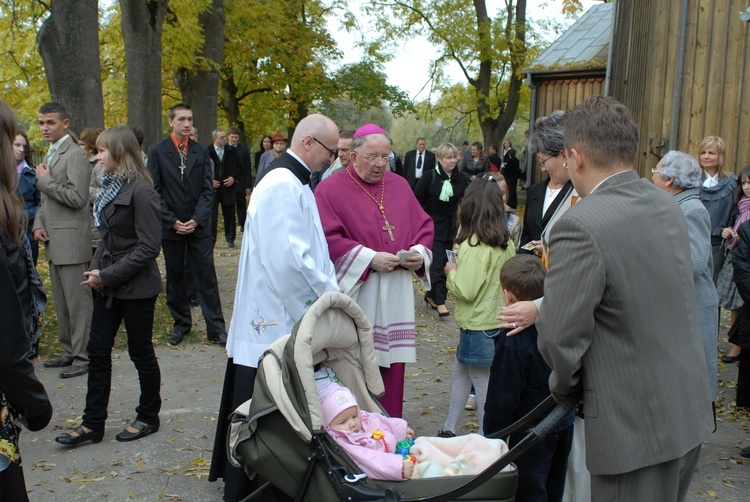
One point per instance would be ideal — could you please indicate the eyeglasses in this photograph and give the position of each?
(375, 158)
(333, 153)
(541, 164)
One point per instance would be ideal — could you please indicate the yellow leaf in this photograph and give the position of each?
(713, 494)
(141, 463)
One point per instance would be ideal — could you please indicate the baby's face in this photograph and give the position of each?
(347, 420)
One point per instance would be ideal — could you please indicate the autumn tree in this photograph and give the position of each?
(490, 51)
(141, 23)
(68, 42)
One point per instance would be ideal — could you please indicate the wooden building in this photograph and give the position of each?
(679, 65)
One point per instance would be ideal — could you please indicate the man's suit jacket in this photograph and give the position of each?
(619, 323)
(230, 165)
(64, 211)
(410, 165)
(245, 177)
(182, 198)
(533, 221)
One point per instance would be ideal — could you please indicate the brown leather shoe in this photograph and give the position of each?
(74, 371)
(59, 362)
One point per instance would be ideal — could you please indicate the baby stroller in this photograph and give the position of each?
(279, 434)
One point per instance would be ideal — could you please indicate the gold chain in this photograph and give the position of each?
(382, 191)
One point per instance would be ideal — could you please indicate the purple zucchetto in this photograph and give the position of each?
(368, 129)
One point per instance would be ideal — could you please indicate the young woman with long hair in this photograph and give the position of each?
(23, 399)
(127, 280)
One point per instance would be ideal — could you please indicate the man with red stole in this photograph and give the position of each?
(378, 235)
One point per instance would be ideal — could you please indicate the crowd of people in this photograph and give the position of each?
(544, 305)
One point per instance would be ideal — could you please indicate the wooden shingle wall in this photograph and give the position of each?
(715, 98)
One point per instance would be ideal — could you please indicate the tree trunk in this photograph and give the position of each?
(68, 43)
(200, 86)
(495, 128)
(141, 26)
(231, 103)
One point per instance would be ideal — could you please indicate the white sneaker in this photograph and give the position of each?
(471, 403)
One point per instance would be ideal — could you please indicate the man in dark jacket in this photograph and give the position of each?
(227, 174)
(244, 179)
(181, 169)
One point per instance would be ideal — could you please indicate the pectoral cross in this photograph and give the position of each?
(183, 158)
(388, 227)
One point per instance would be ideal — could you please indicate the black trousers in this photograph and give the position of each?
(139, 324)
(241, 205)
(200, 252)
(12, 484)
(230, 230)
(238, 388)
(439, 292)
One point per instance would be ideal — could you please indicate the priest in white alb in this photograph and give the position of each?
(284, 267)
(378, 236)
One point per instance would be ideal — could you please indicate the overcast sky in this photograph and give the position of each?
(409, 69)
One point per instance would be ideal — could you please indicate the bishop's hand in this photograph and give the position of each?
(384, 262)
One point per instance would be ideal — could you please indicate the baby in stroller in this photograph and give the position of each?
(368, 438)
(383, 448)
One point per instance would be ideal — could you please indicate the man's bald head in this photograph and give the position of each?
(315, 141)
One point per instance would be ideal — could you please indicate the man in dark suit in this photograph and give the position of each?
(417, 162)
(619, 319)
(227, 172)
(181, 169)
(244, 180)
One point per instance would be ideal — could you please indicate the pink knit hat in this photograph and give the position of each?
(368, 129)
(337, 401)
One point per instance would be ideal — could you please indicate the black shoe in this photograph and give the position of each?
(60, 362)
(70, 440)
(745, 452)
(222, 339)
(446, 434)
(443, 314)
(176, 338)
(230, 244)
(730, 359)
(429, 303)
(74, 371)
(143, 431)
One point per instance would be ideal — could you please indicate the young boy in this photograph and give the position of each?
(518, 383)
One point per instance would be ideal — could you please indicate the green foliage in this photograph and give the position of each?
(22, 76)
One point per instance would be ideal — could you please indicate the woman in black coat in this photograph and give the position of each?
(23, 399)
(127, 279)
(739, 333)
(439, 191)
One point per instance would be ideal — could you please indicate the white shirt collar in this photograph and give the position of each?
(59, 142)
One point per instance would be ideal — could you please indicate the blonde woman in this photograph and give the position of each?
(125, 275)
(717, 193)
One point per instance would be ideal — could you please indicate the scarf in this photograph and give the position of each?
(446, 192)
(111, 186)
(744, 206)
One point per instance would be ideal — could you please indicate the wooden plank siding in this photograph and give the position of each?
(715, 97)
(562, 92)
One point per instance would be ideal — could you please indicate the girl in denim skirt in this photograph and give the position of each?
(484, 245)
